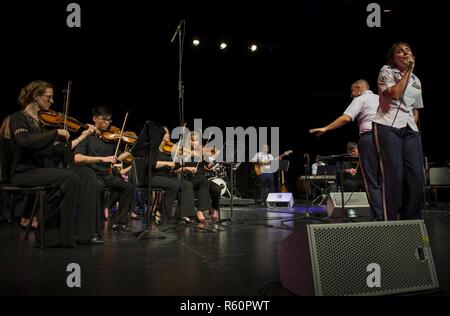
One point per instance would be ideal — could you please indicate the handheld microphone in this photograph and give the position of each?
(410, 65)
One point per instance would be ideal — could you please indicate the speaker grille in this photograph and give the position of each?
(341, 253)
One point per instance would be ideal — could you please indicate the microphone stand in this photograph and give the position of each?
(181, 33)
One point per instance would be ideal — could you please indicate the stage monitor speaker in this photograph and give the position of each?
(377, 258)
(281, 199)
(352, 200)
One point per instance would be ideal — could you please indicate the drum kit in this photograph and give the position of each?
(218, 175)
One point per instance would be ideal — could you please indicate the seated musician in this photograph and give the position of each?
(164, 175)
(353, 181)
(34, 165)
(318, 185)
(98, 154)
(208, 192)
(5, 163)
(316, 165)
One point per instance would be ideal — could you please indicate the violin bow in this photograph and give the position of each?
(121, 134)
(209, 138)
(67, 102)
(179, 143)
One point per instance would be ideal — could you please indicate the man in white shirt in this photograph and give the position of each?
(363, 108)
(262, 168)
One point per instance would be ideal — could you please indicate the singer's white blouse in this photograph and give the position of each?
(388, 107)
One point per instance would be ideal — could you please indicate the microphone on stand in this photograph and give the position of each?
(306, 155)
(177, 30)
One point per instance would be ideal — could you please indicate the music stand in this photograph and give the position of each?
(146, 146)
(340, 159)
(229, 151)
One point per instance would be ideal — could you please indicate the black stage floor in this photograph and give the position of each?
(240, 260)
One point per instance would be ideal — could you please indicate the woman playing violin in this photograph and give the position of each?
(99, 155)
(33, 165)
(164, 175)
(208, 192)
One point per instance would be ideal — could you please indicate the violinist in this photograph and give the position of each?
(164, 175)
(99, 155)
(32, 147)
(208, 192)
(87, 228)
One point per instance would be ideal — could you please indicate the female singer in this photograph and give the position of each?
(397, 137)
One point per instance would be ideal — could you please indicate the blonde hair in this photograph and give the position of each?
(195, 136)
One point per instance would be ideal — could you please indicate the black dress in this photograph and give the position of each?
(208, 192)
(33, 166)
(164, 178)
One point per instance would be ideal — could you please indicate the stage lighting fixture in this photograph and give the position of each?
(253, 47)
(223, 45)
(196, 42)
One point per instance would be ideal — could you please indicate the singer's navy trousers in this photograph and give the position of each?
(402, 173)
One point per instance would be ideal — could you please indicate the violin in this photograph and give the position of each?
(57, 119)
(167, 147)
(113, 135)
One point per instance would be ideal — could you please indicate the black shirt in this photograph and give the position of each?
(96, 147)
(32, 144)
(352, 165)
(165, 171)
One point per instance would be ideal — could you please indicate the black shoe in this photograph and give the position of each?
(97, 241)
(120, 228)
(94, 241)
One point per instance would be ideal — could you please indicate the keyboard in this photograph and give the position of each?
(320, 177)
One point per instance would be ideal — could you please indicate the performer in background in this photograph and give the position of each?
(363, 108)
(98, 154)
(353, 181)
(318, 163)
(397, 137)
(317, 186)
(263, 160)
(5, 167)
(208, 192)
(164, 175)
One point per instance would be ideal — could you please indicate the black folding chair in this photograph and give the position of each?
(38, 207)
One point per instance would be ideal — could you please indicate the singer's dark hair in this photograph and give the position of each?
(101, 110)
(391, 52)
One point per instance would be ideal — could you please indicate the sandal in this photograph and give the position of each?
(134, 216)
(214, 215)
(157, 217)
(201, 217)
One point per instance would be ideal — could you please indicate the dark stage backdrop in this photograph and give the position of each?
(309, 54)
